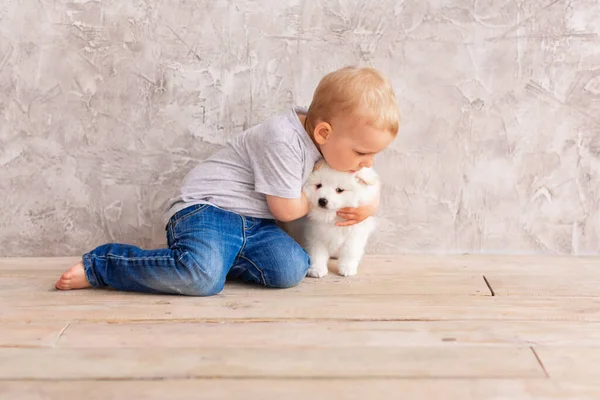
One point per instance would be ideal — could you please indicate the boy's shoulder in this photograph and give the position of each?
(284, 127)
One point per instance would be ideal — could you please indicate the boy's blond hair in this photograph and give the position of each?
(361, 92)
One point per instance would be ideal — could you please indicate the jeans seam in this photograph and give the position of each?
(239, 254)
(262, 274)
(201, 207)
(134, 258)
(248, 227)
(174, 245)
(171, 233)
(183, 253)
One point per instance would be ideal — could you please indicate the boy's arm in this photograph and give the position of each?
(277, 164)
(286, 210)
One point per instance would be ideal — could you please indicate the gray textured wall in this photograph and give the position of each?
(105, 105)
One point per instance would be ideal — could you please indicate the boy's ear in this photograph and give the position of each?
(322, 132)
(367, 176)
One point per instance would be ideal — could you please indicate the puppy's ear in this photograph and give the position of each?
(318, 165)
(367, 176)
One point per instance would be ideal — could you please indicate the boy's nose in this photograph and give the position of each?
(366, 164)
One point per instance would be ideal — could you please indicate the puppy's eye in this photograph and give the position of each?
(318, 185)
(339, 190)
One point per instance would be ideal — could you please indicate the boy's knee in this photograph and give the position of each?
(203, 288)
(293, 269)
(200, 279)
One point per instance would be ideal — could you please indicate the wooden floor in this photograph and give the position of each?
(460, 327)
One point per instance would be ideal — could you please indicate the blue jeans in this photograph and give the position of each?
(206, 246)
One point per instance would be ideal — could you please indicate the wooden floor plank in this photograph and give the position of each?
(540, 282)
(298, 333)
(542, 276)
(36, 263)
(273, 304)
(570, 361)
(31, 334)
(329, 285)
(376, 276)
(269, 362)
(329, 334)
(248, 389)
(576, 279)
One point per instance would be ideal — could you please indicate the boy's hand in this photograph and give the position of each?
(359, 214)
(356, 215)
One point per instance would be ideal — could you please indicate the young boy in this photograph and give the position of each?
(222, 223)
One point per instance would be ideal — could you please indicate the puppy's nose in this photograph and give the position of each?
(323, 202)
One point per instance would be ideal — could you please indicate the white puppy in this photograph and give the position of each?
(328, 191)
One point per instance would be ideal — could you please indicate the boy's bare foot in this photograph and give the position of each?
(74, 278)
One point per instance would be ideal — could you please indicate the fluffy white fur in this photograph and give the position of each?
(328, 191)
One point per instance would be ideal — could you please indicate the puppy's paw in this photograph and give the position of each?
(348, 269)
(317, 272)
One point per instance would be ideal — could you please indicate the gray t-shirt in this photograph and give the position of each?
(275, 158)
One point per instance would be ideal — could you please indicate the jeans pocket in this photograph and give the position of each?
(188, 212)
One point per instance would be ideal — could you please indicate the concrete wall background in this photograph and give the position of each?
(105, 105)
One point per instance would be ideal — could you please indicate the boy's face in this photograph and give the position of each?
(349, 144)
